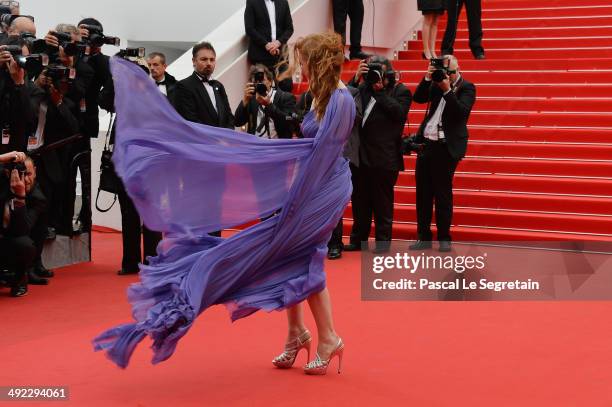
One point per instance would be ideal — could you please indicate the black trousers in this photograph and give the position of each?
(336, 237)
(354, 10)
(375, 197)
(79, 158)
(473, 8)
(132, 229)
(17, 254)
(435, 169)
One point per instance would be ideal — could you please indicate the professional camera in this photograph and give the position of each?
(97, 38)
(132, 53)
(71, 48)
(20, 167)
(59, 73)
(441, 65)
(375, 73)
(410, 144)
(31, 63)
(35, 45)
(260, 87)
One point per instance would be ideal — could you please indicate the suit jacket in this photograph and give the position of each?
(455, 116)
(192, 102)
(101, 76)
(259, 30)
(282, 106)
(381, 134)
(351, 148)
(17, 113)
(170, 82)
(18, 225)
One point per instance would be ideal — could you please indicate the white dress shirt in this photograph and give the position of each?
(210, 90)
(260, 117)
(272, 14)
(433, 129)
(162, 86)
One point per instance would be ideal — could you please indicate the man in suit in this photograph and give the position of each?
(444, 136)
(200, 99)
(23, 227)
(386, 104)
(165, 82)
(269, 25)
(473, 8)
(266, 115)
(352, 9)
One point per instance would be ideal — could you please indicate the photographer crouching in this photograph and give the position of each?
(441, 143)
(24, 223)
(386, 103)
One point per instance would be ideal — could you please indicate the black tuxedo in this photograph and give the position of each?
(16, 113)
(170, 82)
(282, 106)
(258, 29)
(436, 164)
(192, 102)
(380, 161)
(455, 116)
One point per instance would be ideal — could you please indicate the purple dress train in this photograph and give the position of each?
(174, 170)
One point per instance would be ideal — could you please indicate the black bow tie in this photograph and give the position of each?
(161, 83)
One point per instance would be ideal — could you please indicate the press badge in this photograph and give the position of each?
(6, 136)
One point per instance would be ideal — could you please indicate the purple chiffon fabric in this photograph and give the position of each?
(188, 179)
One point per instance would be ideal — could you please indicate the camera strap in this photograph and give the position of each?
(106, 151)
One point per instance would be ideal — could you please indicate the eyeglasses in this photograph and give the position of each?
(451, 72)
(10, 3)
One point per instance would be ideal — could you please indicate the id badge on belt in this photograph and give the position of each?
(6, 136)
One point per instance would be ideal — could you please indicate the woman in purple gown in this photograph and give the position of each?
(169, 165)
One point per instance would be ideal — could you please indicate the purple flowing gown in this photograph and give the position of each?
(174, 170)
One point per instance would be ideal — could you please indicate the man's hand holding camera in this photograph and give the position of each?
(16, 72)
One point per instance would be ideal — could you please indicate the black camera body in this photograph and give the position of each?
(59, 73)
(260, 87)
(20, 167)
(375, 73)
(97, 38)
(132, 53)
(411, 144)
(441, 65)
(31, 63)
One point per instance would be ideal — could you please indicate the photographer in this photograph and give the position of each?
(57, 119)
(7, 8)
(16, 113)
(264, 109)
(386, 104)
(65, 47)
(138, 241)
(17, 251)
(442, 142)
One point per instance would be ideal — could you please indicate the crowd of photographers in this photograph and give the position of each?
(50, 93)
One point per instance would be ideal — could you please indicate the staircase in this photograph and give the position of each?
(539, 160)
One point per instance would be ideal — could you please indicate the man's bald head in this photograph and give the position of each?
(22, 25)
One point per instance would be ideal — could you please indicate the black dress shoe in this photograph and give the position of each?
(352, 247)
(42, 271)
(445, 246)
(420, 245)
(51, 234)
(33, 279)
(359, 55)
(480, 56)
(334, 253)
(125, 272)
(19, 291)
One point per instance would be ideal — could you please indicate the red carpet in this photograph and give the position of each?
(397, 354)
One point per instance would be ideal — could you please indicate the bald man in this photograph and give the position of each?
(21, 25)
